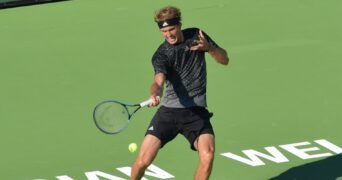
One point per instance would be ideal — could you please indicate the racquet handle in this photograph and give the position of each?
(147, 102)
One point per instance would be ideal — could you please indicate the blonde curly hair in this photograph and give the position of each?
(168, 12)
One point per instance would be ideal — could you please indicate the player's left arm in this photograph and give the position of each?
(219, 54)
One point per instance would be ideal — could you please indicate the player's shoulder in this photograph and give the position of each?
(163, 47)
(190, 33)
(162, 50)
(191, 30)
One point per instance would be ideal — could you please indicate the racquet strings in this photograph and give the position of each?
(111, 117)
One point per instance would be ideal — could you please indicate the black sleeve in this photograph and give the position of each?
(160, 62)
(210, 41)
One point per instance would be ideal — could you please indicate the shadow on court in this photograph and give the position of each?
(18, 3)
(326, 169)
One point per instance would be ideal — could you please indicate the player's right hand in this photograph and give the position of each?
(155, 100)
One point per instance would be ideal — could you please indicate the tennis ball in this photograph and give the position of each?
(132, 147)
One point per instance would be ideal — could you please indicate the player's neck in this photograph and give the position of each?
(180, 39)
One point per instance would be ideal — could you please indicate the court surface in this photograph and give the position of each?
(277, 105)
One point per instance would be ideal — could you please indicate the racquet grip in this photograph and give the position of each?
(147, 102)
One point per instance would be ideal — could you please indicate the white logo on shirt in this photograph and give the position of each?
(151, 128)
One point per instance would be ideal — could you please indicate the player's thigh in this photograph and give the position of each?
(205, 143)
(149, 148)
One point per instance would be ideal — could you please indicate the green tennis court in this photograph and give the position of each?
(277, 105)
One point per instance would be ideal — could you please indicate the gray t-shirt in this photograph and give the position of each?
(185, 71)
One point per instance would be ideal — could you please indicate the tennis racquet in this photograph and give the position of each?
(113, 116)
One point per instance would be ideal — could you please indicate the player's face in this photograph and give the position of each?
(172, 34)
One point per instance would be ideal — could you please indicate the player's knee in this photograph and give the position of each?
(143, 163)
(207, 156)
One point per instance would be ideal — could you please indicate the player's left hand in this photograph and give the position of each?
(201, 44)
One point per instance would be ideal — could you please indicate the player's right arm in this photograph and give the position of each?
(157, 88)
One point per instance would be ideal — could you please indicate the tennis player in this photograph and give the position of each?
(179, 62)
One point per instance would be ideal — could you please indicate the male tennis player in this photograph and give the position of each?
(179, 62)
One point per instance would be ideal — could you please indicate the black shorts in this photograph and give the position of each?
(191, 122)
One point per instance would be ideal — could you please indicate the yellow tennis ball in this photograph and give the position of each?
(132, 147)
